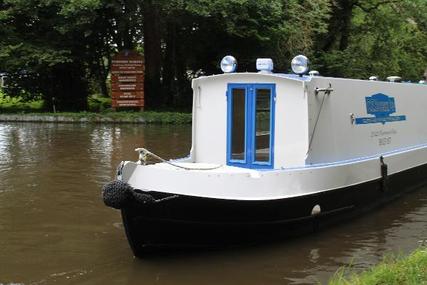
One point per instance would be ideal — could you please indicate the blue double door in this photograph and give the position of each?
(250, 125)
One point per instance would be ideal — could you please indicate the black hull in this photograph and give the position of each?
(187, 221)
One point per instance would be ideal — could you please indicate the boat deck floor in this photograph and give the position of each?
(210, 167)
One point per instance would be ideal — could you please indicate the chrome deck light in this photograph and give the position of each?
(300, 64)
(394, 79)
(264, 65)
(228, 64)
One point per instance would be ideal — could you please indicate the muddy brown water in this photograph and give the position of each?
(55, 229)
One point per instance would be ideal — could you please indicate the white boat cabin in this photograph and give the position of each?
(278, 121)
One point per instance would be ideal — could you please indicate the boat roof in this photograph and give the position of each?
(292, 77)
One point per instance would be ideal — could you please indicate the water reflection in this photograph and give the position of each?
(55, 229)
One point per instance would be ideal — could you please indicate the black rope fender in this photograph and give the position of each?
(118, 195)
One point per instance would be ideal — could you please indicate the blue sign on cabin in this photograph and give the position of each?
(381, 106)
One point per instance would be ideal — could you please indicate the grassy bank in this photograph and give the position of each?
(392, 271)
(105, 117)
(17, 110)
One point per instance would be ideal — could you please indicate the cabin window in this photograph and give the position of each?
(238, 124)
(250, 125)
(262, 125)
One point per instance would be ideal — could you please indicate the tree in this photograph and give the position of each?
(197, 34)
(153, 52)
(385, 38)
(54, 48)
(61, 49)
(38, 55)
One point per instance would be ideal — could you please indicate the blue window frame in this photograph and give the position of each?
(250, 125)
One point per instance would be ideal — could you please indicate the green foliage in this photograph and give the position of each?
(388, 40)
(61, 50)
(100, 111)
(18, 105)
(37, 55)
(302, 22)
(250, 29)
(392, 271)
(99, 104)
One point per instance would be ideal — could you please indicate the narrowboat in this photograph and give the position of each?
(275, 154)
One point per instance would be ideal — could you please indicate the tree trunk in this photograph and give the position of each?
(102, 73)
(67, 89)
(346, 16)
(339, 25)
(127, 32)
(169, 70)
(153, 53)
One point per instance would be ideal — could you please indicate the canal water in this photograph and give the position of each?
(55, 229)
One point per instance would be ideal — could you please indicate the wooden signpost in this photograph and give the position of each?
(127, 80)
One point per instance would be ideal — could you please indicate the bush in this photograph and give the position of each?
(17, 105)
(99, 104)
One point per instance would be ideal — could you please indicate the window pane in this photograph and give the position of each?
(238, 124)
(262, 125)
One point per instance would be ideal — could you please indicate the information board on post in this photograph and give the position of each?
(127, 80)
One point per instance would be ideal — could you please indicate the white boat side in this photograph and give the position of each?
(338, 138)
(322, 141)
(229, 182)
